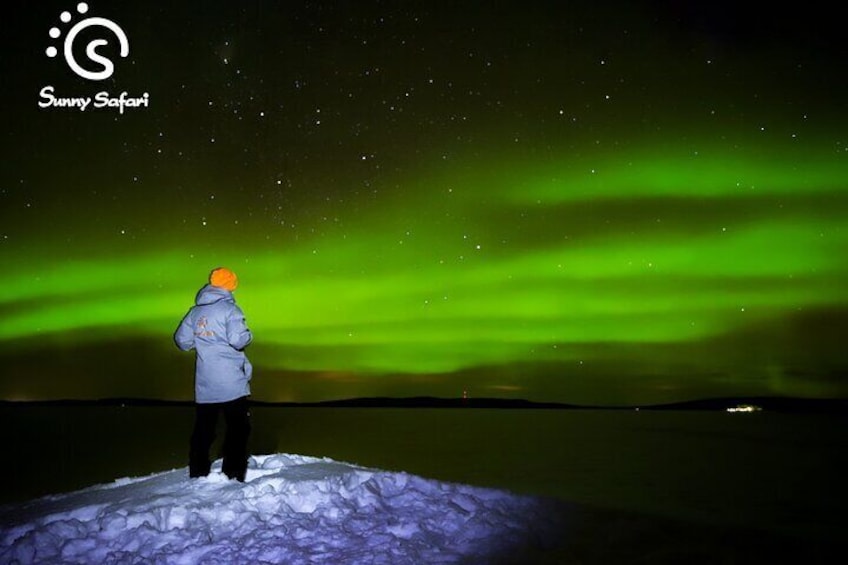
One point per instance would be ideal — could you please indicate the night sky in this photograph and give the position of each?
(586, 202)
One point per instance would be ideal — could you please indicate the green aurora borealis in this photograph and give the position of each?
(614, 228)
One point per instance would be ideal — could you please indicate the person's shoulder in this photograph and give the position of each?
(227, 304)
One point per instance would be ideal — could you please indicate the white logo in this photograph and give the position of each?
(123, 101)
(91, 48)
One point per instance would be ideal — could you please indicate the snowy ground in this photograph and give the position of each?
(291, 509)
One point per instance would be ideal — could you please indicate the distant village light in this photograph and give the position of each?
(744, 408)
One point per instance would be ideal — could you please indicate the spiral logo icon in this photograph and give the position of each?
(108, 67)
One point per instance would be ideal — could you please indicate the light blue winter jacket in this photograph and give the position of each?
(216, 329)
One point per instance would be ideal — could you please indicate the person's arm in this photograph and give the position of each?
(184, 336)
(238, 335)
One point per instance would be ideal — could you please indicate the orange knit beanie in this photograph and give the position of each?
(223, 278)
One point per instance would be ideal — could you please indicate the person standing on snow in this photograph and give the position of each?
(215, 328)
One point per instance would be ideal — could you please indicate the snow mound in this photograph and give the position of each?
(291, 509)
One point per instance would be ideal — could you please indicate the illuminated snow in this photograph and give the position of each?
(291, 509)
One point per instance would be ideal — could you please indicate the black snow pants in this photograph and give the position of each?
(237, 420)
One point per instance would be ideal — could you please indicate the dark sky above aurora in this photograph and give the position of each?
(571, 201)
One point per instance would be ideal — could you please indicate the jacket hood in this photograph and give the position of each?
(210, 294)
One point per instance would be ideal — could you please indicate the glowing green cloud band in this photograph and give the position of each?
(445, 289)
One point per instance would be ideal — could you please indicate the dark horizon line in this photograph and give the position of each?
(767, 403)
